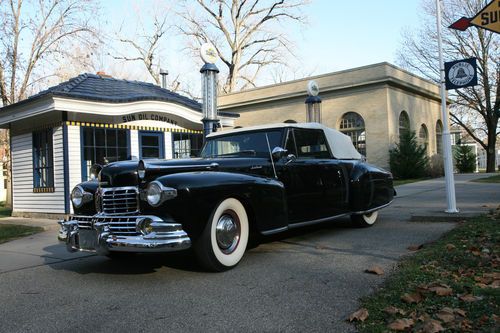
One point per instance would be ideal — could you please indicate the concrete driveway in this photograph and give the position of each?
(309, 279)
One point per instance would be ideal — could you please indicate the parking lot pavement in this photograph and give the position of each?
(309, 279)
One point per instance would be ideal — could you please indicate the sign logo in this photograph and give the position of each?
(312, 88)
(208, 53)
(461, 73)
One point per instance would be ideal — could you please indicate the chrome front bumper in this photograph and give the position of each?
(98, 234)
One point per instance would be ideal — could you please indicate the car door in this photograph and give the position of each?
(315, 183)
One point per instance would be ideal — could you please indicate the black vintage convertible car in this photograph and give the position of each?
(249, 181)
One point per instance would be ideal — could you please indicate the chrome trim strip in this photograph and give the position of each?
(372, 209)
(274, 231)
(324, 219)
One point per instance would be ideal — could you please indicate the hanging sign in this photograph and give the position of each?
(460, 73)
(487, 18)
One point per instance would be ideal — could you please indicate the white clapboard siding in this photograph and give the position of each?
(134, 144)
(75, 158)
(24, 200)
(168, 145)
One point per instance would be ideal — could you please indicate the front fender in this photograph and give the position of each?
(198, 193)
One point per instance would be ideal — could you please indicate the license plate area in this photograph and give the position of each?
(87, 240)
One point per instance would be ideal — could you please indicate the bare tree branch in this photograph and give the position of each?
(474, 109)
(246, 34)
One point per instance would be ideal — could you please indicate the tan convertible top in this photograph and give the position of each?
(340, 144)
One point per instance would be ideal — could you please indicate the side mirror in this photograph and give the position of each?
(278, 153)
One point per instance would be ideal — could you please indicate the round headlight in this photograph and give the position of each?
(77, 196)
(153, 193)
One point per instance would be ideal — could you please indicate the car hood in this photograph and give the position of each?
(124, 173)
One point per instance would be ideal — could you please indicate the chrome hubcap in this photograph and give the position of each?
(227, 232)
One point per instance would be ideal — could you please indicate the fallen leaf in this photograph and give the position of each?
(446, 315)
(483, 280)
(432, 326)
(450, 247)
(375, 270)
(470, 298)
(441, 291)
(394, 310)
(359, 315)
(465, 324)
(481, 285)
(415, 247)
(401, 324)
(475, 253)
(495, 284)
(459, 312)
(412, 298)
(495, 275)
(483, 320)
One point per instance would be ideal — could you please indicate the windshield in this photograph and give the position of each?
(242, 144)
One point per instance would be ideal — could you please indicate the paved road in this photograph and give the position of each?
(310, 279)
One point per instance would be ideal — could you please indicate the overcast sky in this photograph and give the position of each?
(340, 34)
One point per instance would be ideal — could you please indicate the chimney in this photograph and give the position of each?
(103, 74)
(163, 74)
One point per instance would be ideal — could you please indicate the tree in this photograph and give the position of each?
(35, 36)
(408, 159)
(245, 33)
(476, 109)
(465, 159)
(145, 45)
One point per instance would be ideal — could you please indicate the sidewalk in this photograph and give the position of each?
(46, 224)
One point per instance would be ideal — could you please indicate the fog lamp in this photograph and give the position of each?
(146, 226)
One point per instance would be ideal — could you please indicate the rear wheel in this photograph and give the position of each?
(224, 240)
(364, 220)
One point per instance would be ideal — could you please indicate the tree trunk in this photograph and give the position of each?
(491, 152)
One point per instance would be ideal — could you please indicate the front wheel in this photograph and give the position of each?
(224, 240)
(365, 220)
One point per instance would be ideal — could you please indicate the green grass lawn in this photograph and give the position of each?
(491, 179)
(12, 231)
(452, 284)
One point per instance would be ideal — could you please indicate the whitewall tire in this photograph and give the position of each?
(365, 220)
(225, 238)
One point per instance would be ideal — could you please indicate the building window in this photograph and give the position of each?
(404, 124)
(353, 125)
(423, 137)
(102, 146)
(439, 137)
(186, 145)
(43, 162)
(151, 145)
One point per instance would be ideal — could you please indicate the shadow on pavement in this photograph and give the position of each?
(130, 264)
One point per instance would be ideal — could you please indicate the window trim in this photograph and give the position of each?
(161, 140)
(50, 187)
(84, 173)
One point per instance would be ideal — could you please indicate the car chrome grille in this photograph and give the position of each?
(118, 226)
(119, 200)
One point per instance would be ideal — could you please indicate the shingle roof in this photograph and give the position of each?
(105, 89)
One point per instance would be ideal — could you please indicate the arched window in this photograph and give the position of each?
(353, 125)
(423, 137)
(404, 123)
(439, 137)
